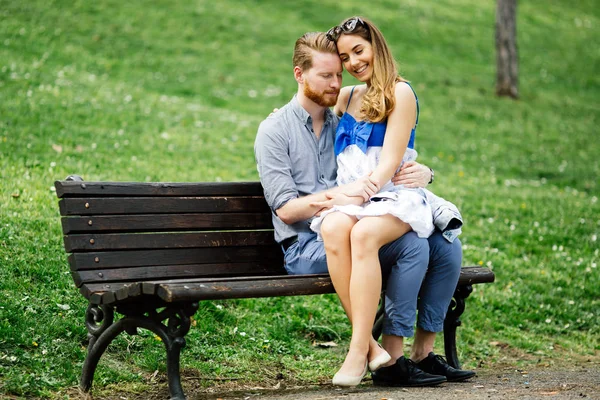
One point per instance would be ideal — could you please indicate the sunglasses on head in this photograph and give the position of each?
(347, 27)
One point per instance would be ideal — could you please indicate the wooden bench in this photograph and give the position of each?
(151, 251)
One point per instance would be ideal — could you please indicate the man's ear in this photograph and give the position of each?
(298, 75)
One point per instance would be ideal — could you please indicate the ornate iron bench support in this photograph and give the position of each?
(452, 321)
(102, 330)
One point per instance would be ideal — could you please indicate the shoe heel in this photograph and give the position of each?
(379, 361)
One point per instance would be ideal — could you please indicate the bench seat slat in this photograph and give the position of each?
(166, 222)
(202, 189)
(474, 274)
(207, 255)
(247, 289)
(160, 205)
(120, 292)
(211, 288)
(268, 287)
(142, 241)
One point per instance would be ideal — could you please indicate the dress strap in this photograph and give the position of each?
(350, 98)
(417, 98)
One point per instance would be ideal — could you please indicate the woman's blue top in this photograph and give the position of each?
(366, 134)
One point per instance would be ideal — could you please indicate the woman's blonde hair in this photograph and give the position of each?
(379, 100)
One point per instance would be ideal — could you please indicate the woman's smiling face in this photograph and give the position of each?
(357, 56)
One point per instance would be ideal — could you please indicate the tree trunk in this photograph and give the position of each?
(507, 58)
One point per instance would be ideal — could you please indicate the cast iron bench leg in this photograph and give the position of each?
(452, 321)
(102, 331)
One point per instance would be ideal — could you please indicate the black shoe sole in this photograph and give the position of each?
(460, 379)
(416, 384)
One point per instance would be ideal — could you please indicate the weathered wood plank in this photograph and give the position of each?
(107, 293)
(195, 289)
(474, 274)
(179, 240)
(165, 222)
(161, 205)
(218, 288)
(201, 189)
(143, 258)
(246, 289)
(153, 273)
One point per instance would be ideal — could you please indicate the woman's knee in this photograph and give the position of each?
(364, 238)
(335, 229)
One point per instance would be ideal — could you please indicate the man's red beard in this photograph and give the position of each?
(324, 99)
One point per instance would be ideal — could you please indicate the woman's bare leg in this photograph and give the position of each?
(335, 230)
(367, 236)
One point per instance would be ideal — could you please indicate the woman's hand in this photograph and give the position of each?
(364, 187)
(412, 175)
(336, 199)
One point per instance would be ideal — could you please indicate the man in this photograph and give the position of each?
(297, 167)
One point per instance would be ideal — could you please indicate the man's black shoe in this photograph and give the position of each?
(405, 373)
(435, 364)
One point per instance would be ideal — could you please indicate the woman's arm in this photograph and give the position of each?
(400, 123)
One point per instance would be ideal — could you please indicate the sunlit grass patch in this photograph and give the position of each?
(157, 92)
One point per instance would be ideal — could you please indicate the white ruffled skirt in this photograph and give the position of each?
(408, 205)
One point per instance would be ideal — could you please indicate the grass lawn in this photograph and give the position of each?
(174, 91)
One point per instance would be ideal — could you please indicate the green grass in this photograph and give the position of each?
(174, 91)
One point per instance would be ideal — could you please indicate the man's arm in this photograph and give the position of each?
(302, 208)
(305, 207)
(413, 175)
(275, 171)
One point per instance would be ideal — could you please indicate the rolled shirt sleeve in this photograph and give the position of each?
(292, 162)
(274, 164)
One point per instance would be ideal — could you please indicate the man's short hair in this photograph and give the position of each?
(306, 44)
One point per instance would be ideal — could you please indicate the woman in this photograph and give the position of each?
(375, 135)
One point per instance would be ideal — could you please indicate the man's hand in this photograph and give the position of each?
(336, 199)
(412, 175)
(364, 187)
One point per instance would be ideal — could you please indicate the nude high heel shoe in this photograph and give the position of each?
(347, 380)
(380, 360)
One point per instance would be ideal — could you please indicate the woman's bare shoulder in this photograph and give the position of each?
(342, 100)
(403, 89)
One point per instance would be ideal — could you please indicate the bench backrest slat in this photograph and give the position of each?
(120, 233)
(66, 189)
(166, 222)
(143, 258)
(171, 240)
(137, 274)
(161, 205)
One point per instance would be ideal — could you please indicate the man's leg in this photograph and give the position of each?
(404, 263)
(445, 260)
(306, 256)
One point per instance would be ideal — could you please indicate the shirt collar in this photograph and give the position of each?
(304, 116)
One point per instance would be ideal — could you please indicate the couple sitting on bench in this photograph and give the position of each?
(342, 205)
